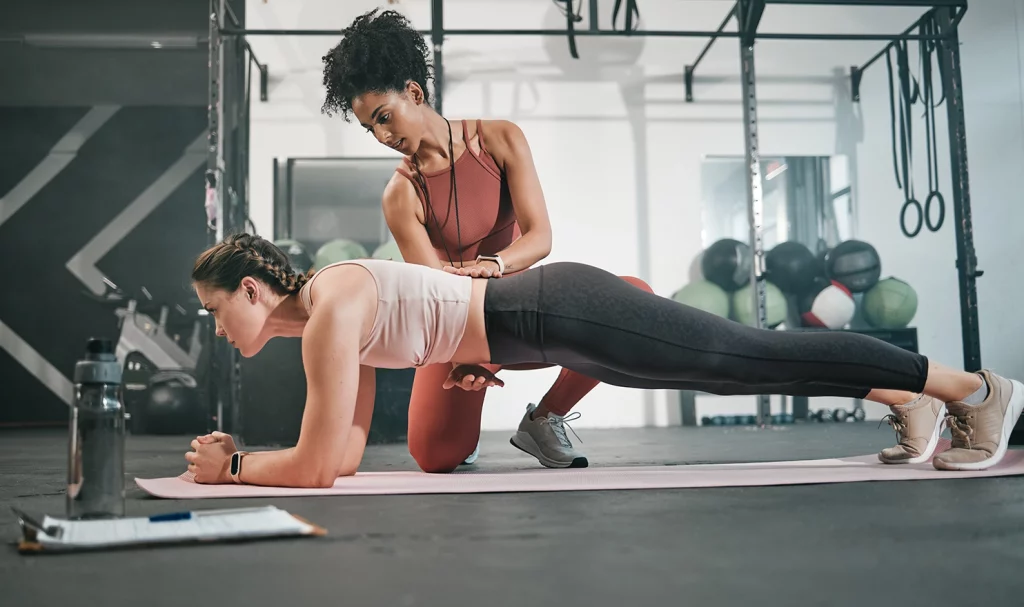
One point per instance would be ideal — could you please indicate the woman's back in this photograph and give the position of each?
(421, 313)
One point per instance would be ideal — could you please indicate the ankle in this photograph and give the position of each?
(540, 411)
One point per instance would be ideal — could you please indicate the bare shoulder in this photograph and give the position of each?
(400, 198)
(499, 131)
(502, 138)
(347, 289)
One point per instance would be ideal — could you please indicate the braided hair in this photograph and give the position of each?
(224, 265)
(379, 53)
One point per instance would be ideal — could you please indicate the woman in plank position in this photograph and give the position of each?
(466, 198)
(356, 315)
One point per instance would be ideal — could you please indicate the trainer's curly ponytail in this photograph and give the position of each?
(224, 265)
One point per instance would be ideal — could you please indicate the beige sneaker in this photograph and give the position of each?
(981, 432)
(917, 427)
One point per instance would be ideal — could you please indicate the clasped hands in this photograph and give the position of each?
(210, 458)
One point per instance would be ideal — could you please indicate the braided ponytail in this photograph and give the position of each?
(225, 264)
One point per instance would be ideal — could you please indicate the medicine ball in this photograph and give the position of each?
(297, 254)
(791, 266)
(704, 295)
(855, 264)
(890, 304)
(388, 250)
(339, 249)
(728, 263)
(173, 405)
(828, 304)
(775, 307)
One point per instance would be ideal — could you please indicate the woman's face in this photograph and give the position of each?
(239, 316)
(394, 118)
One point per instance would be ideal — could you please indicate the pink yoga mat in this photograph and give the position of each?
(841, 470)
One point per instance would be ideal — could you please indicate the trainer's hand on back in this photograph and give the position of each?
(210, 458)
(486, 269)
(471, 378)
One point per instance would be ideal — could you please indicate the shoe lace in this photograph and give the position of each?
(897, 424)
(558, 426)
(961, 430)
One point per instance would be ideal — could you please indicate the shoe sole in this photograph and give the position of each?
(1013, 411)
(525, 443)
(929, 449)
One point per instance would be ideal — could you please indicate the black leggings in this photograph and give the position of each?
(590, 321)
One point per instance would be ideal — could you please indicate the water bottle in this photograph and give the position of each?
(96, 487)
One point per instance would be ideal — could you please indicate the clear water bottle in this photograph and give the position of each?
(96, 487)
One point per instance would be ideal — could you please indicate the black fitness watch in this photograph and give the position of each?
(236, 465)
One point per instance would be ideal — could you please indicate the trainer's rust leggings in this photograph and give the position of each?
(444, 425)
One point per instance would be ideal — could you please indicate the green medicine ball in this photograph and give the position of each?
(890, 304)
(704, 295)
(339, 249)
(775, 305)
(388, 250)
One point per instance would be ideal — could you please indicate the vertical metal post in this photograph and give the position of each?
(749, 15)
(222, 359)
(215, 115)
(437, 38)
(966, 260)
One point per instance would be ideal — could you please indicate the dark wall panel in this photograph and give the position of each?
(28, 136)
(47, 307)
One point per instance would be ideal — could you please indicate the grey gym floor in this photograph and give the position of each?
(954, 542)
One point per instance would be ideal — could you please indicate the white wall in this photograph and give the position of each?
(619, 151)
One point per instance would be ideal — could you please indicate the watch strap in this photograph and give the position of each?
(495, 258)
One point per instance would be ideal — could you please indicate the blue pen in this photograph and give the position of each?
(184, 516)
(173, 516)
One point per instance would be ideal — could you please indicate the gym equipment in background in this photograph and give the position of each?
(855, 264)
(744, 420)
(840, 415)
(776, 307)
(890, 304)
(151, 357)
(388, 250)
(339, 249)
(173, 404)
(792, 267)
(728, 263)
(298, 255)
(828, 304)
(704, 295)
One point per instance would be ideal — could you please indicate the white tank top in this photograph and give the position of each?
(421, 313)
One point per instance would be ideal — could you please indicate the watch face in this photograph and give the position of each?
(235, 460)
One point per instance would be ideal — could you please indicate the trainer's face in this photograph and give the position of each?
(395, 119)
(240, 316)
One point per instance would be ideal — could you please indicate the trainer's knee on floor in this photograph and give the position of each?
(636, 282)
(437, 458)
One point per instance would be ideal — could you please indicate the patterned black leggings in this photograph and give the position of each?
(590, 321)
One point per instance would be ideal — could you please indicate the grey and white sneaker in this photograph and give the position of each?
(545, 439)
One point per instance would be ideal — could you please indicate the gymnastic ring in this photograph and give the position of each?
(936, 195)
(903, 218)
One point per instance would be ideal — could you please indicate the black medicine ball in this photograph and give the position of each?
(792, 267)
(855, 264)
(728, 263)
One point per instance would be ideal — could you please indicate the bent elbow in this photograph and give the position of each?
(323, 480)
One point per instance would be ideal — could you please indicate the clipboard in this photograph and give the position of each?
(52, 535)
